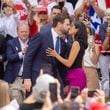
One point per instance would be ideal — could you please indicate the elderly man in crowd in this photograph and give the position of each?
(16, 49)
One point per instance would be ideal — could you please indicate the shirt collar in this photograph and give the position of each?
(21, 42)
(54, 33)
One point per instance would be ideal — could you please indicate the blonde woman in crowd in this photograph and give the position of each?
(5, 100)
(90, 61)
(4, 93)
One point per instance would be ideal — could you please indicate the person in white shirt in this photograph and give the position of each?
(99, 7)
(9, 22)
(63, 4)
(90, 61)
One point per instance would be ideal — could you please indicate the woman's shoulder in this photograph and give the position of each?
(76, 43)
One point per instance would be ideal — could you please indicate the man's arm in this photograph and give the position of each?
(98, 10)
(79, 9)
(106, 43)
(12, 52)
(34, 44)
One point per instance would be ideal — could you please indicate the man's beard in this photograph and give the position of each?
(65, 32)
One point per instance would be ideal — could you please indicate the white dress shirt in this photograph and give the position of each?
(54, 35)
(21, 55)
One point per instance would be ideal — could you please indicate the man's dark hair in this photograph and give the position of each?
(47, 68)
(56, 7)
(59, 18)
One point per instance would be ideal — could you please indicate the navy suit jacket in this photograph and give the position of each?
(46, 27)
(36, 55)
(14, 62)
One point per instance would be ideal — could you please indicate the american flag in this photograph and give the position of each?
(95, 24)
(95, 20)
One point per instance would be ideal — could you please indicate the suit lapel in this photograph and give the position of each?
(17, 45)
(62, 47)
(51, 44)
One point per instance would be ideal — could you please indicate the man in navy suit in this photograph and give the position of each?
(16, 49)
(36, 53)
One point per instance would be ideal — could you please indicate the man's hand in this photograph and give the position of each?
(25, 49)
(27, 84)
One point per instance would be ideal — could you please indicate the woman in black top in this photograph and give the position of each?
(76, 75)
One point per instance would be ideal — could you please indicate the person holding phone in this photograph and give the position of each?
(90, 60)
(76, 75)
(39, 91)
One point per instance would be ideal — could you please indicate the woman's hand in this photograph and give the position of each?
(82, 97)
(100, 95)
(51, 52)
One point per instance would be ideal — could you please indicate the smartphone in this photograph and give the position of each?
(74, 92)
(91, 93)
(85, 17)
(53, 91)
(90, 39)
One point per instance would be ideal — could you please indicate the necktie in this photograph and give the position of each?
(57, 46)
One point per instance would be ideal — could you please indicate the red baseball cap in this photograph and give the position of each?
(42, 10)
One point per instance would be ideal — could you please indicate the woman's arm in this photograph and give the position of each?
(79, 8)
(106, 43)
(95, 54)
(72, 55)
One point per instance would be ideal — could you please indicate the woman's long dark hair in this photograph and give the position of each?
(81, 35)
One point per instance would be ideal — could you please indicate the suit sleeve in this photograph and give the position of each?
(33, 46)
(12, 53)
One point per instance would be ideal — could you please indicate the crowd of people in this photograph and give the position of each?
(54, 54)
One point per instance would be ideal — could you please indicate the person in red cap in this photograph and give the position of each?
(37, 18)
